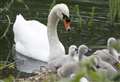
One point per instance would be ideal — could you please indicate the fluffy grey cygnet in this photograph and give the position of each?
(109, 55)
(69, 69)
(58, 62)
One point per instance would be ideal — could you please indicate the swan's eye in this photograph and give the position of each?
(66, 18)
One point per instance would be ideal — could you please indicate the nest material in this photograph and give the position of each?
(43, 75)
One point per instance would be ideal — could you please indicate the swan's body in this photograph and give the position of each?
(31, 38)
(38, 41)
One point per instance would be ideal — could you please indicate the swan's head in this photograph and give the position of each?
(62, 12)
(83, 49)
(111, 41)
(73, 50)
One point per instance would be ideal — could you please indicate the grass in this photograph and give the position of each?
(6, 72)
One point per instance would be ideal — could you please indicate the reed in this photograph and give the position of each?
(7, 29)
(52, 4)
(77, 9)
(23, 3)
(91, 19)
(114, 10)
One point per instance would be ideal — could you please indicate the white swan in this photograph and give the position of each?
(38, 41)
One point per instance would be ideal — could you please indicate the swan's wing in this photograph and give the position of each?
(32, 35)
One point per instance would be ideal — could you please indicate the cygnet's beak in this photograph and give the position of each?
(76, 49)
(89, 50)
(88, 53)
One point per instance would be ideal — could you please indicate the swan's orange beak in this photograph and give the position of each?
(67, 25)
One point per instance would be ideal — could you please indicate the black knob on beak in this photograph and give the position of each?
(69, 29)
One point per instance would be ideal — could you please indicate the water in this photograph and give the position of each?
(94, 36)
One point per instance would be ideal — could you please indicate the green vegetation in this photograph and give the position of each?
(114, 8)
(52, 4)
(7, 29)
(6, 72)
(91, 19)
(81, 22)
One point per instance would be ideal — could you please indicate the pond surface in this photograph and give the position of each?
(91, 30)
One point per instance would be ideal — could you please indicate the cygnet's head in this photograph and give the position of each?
(62, 13)
(83, 49)
(73, 50)
(111, 41)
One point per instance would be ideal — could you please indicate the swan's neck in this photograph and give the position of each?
(52, 28)
(54, 43)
